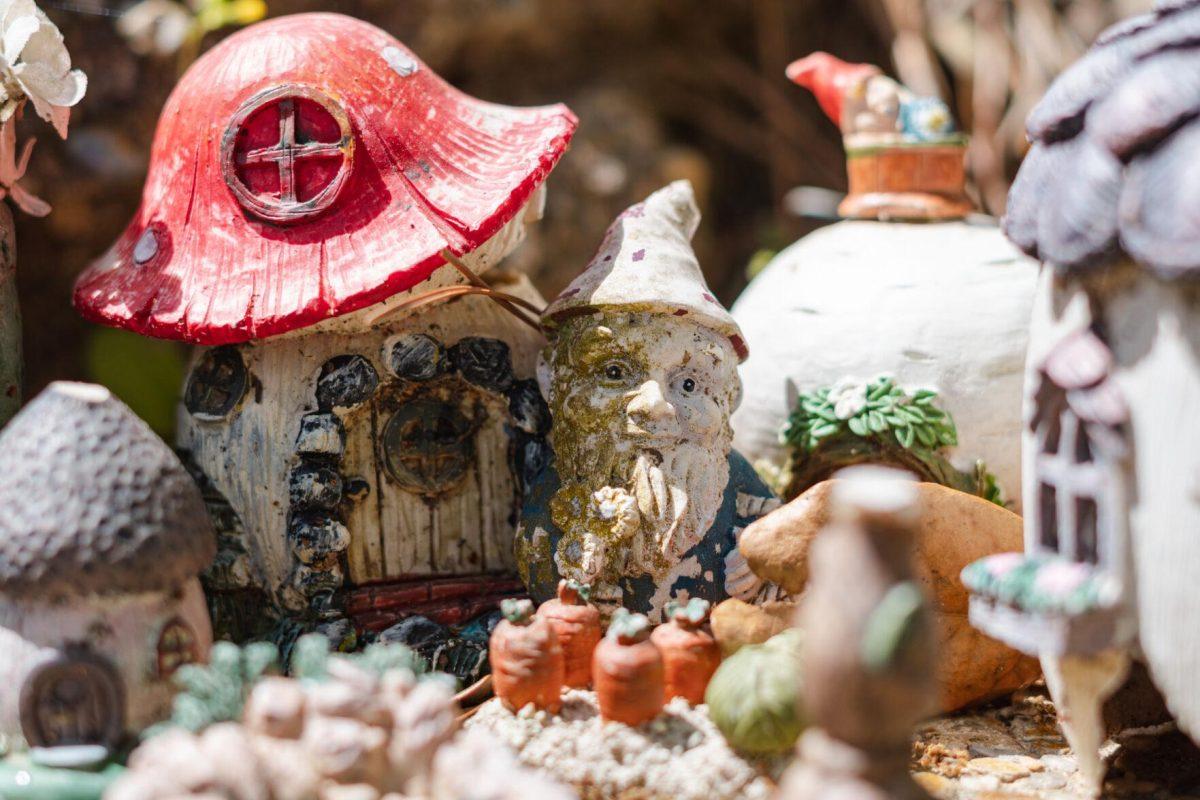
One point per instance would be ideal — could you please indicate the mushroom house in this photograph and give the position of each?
(102, 541)
(361, 410)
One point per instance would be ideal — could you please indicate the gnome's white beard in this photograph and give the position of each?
(678, 498)
(677, 494)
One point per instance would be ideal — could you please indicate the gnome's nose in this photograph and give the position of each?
(651, 412)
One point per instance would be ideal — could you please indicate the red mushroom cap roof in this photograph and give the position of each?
(307, 167)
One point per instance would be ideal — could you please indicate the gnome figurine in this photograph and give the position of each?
(644, 498)
(903, 154)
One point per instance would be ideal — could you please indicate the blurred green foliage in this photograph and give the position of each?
(146, 374)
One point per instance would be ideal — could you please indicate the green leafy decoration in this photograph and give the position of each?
(876, 420)
(312, 654)
(217, 691)
(887, 410)
(584, 590)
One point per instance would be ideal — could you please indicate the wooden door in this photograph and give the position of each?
(74, 699)
(444, 498)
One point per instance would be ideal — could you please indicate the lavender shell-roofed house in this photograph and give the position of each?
(1108, 200)
(102, 540)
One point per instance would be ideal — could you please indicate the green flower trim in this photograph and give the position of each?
(1042, 584)
(875, 421)
(884, 409)
(22, 779)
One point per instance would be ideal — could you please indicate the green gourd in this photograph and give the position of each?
(754, 697)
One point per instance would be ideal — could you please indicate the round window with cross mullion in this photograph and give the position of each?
(216, 384)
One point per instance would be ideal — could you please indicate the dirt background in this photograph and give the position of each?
(664, 89)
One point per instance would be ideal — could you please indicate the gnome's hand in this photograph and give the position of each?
(740, 581)
(592, 562)
(596, 549)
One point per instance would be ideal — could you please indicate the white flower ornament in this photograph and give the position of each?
(35, 65)
(849, 397)
(617, 506)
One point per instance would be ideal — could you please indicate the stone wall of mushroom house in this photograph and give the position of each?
(302, 463)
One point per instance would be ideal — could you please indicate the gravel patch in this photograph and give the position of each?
(678, 756)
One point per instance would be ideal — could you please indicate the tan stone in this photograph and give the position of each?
(776, 546)
(937, 785)
(1041, 781)
(736, 623)
(980, 782)
(1006, 769)
(956, 528)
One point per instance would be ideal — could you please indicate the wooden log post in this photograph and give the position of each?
(11, 371)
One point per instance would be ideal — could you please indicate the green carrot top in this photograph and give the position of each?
(694, 612)
(518, 612)
(628, 628)
(574, 593)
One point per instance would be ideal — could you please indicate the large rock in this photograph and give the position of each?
(956, 528)
(736, 623)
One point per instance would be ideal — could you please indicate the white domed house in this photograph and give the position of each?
(361, 408)
(102, 540)
(897, 335)
(1106, 199)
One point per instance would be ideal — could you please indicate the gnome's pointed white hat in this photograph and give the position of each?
(646, 263)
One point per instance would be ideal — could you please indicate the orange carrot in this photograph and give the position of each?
(628, 671)
(577, 624)
(527, 660)
(690, 653)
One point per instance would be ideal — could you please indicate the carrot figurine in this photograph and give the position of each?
(577, 624)
(628, 671)
(690, 653)
(527, 660)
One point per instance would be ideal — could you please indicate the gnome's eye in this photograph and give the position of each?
(614, 372)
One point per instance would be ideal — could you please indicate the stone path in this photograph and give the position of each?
(1018, 751)
(1002, 753)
